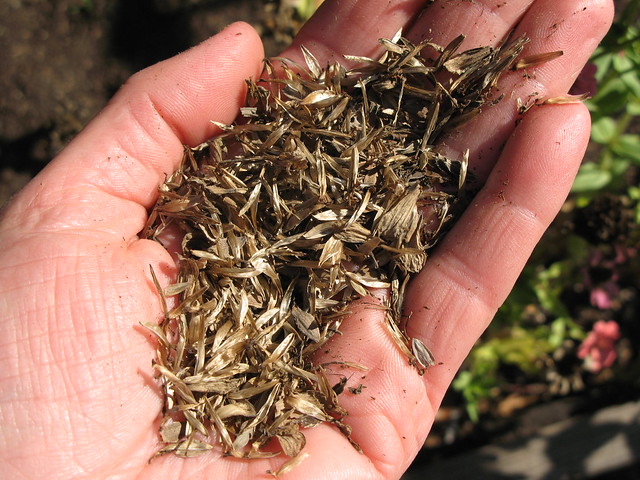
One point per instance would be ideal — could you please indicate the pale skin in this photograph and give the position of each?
(77, 394)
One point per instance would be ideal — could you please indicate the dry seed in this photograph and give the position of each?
(314, 198)
(533, 60)
(289, 464)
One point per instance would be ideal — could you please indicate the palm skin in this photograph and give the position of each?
(77, 394)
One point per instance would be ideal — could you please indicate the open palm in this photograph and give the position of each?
(77, 394)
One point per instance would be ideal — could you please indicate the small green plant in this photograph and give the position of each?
(575, 276)
(614, 108)
(306, 8)
(528, 328)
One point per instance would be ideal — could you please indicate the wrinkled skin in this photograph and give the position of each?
(77, 394)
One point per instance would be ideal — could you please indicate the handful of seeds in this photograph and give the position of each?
(328, 187)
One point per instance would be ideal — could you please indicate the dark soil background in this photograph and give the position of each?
(61, 60)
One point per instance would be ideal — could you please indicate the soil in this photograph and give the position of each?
(63, 60)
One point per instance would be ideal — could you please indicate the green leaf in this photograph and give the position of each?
(557, 332)
(462, 380)
(619, 168)
(634, 194)
(611, 98)
(590, 178)
(628, 146)
(474, 388)
(522, 350)
(577, 248)
(549, 286)
(602, 63)
(633, 108)
(306, 8)
(632, 82)
(622, 64)
(603, 130)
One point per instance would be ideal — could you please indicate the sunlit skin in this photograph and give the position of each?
(77, 394)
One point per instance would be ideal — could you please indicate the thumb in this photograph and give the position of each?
(107, 178)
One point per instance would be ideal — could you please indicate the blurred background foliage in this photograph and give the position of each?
(585, 271)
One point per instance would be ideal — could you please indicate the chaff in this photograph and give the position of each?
(329, 186)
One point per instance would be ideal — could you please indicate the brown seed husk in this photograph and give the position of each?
(328, 187)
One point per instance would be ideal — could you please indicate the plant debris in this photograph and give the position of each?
(329, 186)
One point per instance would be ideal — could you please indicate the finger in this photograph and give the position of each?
(573, 26)
(483, 22)
(108, 176)
(471, 273)
(352, 27)
(389, 408)
(453, 299)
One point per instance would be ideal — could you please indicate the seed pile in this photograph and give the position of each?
(329, 186)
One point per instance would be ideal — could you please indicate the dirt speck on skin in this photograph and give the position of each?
(62, 61)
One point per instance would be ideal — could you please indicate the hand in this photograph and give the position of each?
(78, 398)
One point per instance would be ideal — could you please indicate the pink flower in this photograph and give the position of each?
(601, 275)
(599, 348)
(602, 296)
